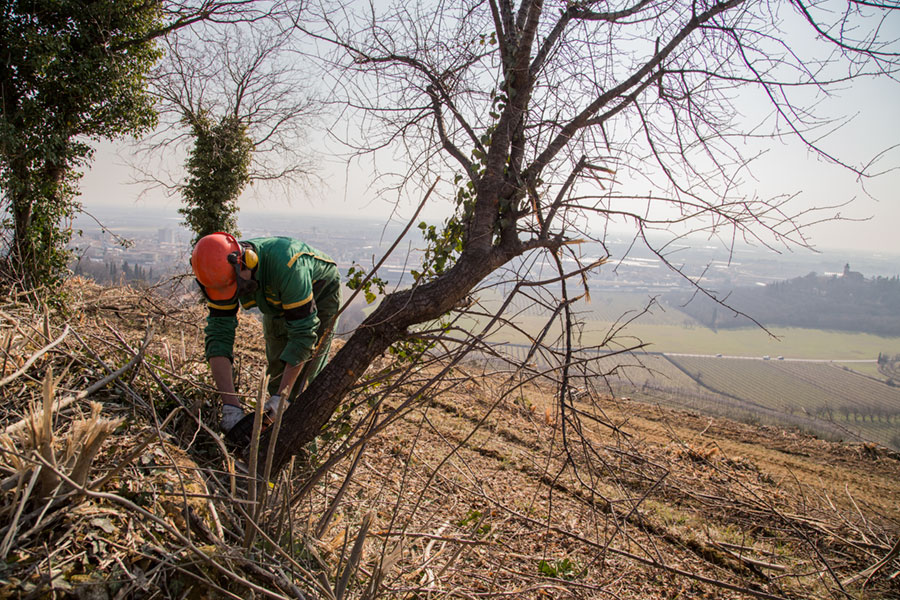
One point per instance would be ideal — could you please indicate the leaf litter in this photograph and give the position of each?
(483, 488)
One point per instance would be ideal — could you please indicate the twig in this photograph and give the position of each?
(329, 513)
(252, 467)
(35, 356)
(270, 451)
(374, 270)
(431, 536)
(14, 525)
(64, 402)
(355, 555)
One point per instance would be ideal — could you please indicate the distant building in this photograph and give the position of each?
(165, 235)
(145, 257)
(852, 275)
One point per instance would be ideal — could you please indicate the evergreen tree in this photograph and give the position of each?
(218, 169)
(70, 71)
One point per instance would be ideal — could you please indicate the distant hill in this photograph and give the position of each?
(845, 302)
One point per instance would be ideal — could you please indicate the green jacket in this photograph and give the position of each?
(286, 272)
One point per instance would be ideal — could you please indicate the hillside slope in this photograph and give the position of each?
(477, 486)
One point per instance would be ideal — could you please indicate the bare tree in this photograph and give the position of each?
(240, 79)
(889, 367)
(554, 119)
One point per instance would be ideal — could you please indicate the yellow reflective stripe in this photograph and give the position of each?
(272, 300)
(250, 304)
(296, 304)
(296, 256)
(222, 306)
(316, 256)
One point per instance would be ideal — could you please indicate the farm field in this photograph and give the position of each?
(604, 307)
(667, 329)
(853, 402)
(837, 400)
(790, 342)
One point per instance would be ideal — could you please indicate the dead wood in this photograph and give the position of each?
(464, 477)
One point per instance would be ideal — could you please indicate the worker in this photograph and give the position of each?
(298, 291)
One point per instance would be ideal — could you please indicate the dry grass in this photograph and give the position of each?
(473, 484)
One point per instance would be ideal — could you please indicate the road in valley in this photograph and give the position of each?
(779, 358)
(525, 348)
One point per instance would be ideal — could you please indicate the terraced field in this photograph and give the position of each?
(859, 404)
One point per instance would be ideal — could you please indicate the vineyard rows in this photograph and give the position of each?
(818, 398)
(844, 383)
(787, 385)
(862, 405)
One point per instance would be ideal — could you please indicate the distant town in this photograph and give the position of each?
(150, 245)
(147, 244)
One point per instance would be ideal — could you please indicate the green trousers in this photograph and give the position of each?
(327, 294)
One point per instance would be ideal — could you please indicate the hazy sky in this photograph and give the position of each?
(874, 106)
(787, 169)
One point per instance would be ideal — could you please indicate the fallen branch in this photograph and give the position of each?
(64, 402)
(869, 572)
(35, 356)
(751, 561)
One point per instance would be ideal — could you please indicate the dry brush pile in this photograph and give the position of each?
(432, 481)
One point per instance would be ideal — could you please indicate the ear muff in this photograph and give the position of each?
(250, 258)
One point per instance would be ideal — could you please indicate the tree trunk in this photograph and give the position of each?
(22, 248)
(304, 418)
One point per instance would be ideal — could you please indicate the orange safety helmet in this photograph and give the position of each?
(216, 260)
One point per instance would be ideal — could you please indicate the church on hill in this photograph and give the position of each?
(852, 276)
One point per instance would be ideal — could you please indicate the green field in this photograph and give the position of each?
(666, 329)
(790, 343)
(869, 369)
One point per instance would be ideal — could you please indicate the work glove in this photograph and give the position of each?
(271, 406)
(231, 414)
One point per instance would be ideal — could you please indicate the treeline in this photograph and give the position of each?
(847, 302)
(113, 272)
(889, 366)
